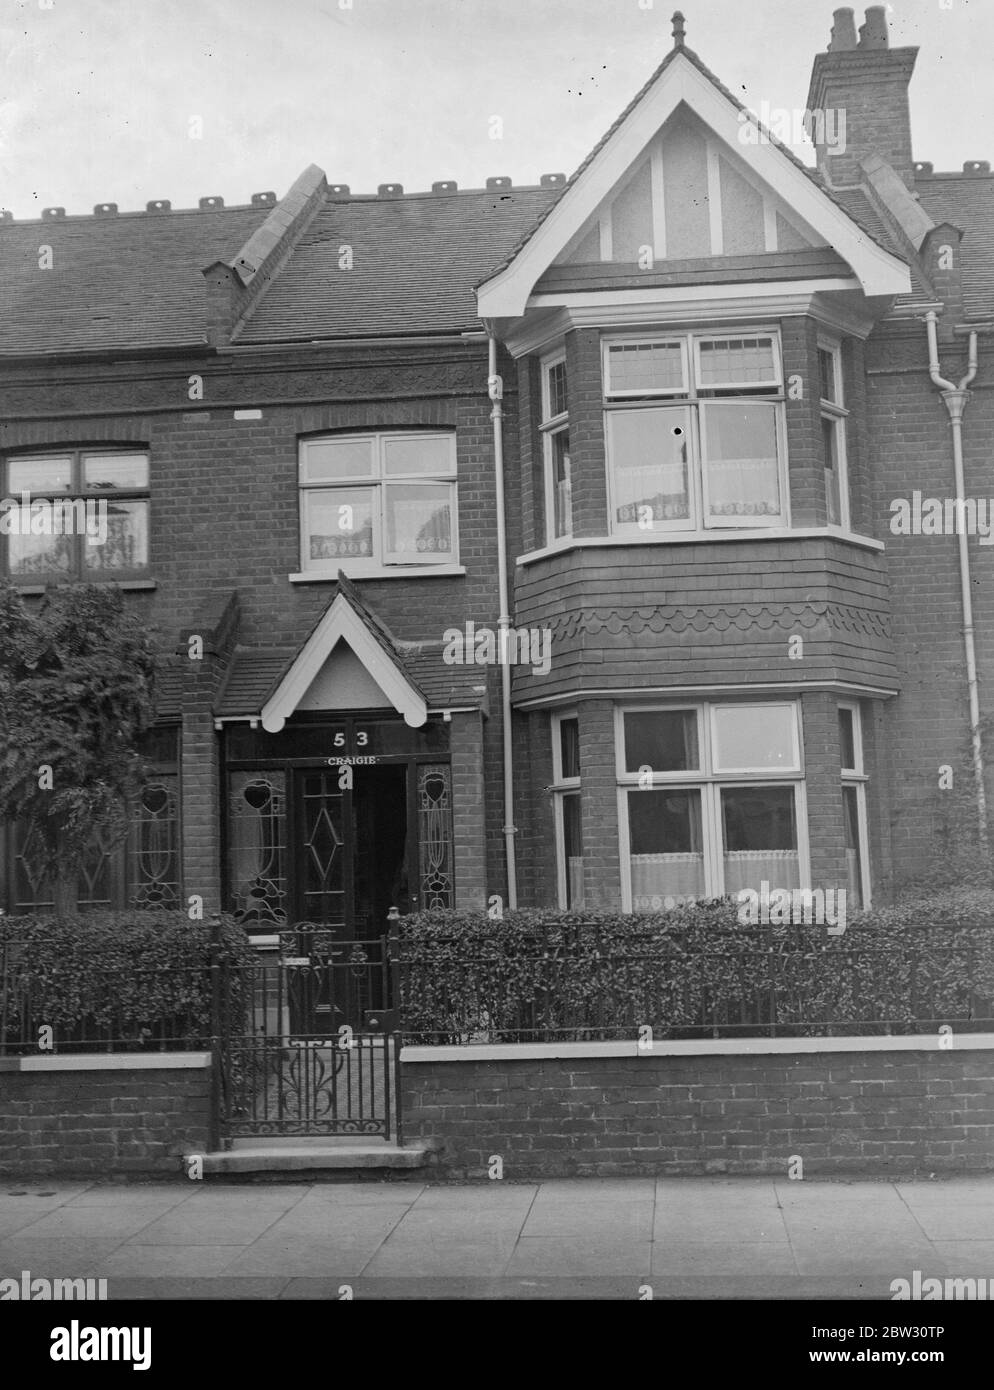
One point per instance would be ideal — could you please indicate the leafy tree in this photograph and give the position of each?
(75, 696)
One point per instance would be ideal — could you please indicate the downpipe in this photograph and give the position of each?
(955, 398)
(495, 389)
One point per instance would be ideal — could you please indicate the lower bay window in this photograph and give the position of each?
(854, 804)
(566, 793)
(711, 800)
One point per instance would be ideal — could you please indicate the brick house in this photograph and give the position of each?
(649, 421)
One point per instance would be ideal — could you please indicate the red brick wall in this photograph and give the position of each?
(102, 1121)
(875, 1113)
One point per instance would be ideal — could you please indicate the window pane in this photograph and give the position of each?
(740, 447)
(425, 454)
(102, 472)
(569, 747)
(339, 523)
(665, 846)
(126, 543)
(830, 447)
(747, 737)
(43, 476)
(573, 850)
(826, 371)
(557, 390)
(328, 459)
(854, 863)
(562, 485)
(40, 554)
(645, 367)
(847, 739)
(648, 453)
(737, 362)
(665, 740)
(760, 838)
(419, 521)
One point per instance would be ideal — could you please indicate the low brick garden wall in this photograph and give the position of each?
(101, 1114)
(874, 1106)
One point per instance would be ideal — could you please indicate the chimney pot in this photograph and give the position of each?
(873, 34)
(843, 31)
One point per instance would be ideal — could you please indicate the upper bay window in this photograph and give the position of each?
(76, 514)
(373, 500)
(555, 431)
(833, 433)
(694, 432)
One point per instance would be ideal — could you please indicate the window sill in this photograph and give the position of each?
(720, 535)
(377, 572)
(32, 589)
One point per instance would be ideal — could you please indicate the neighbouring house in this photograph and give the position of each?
(585, 543)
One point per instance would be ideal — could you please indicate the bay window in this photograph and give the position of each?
(854, 781)
(833, 434)
(710, 800)
(374, 500)
(694, 432)
(566, 795)
(555, 435)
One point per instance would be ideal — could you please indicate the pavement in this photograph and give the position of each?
(740, 1238)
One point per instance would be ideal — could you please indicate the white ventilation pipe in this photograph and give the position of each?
(495, 389)
(955, 398)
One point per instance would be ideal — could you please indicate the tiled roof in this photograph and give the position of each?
(967, 201)
(127, 281)
(415, 260)
(255, 673)
(252, 677)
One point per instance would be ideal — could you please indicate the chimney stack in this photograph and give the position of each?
(858, 98)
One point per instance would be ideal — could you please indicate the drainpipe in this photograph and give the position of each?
(955, 398)
(495, 388)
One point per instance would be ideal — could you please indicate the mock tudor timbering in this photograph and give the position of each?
(730, 668)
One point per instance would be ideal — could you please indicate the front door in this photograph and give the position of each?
(349, 865)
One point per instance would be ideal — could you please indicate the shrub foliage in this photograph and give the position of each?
(695, 971)
(122, 980)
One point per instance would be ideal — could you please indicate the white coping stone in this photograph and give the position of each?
(698, 1047)
(115, 1061)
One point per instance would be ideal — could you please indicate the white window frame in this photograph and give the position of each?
(857, 777)
(710, 783)
(836, 412)
(376, 482)
(550, 426)
(78, 490)
(693, 397)
(562, 787)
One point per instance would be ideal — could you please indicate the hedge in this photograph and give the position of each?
(127, 980)
(696, 971)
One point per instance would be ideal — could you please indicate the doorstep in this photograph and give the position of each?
(310, 1155)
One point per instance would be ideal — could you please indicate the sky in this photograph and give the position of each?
(131, 100)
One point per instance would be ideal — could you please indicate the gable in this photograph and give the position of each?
(343, 683)
(688, 196)
(802, 208)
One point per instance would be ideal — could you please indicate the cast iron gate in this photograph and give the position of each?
(305, 1040)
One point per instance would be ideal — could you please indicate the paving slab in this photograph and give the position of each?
(101, 1221)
